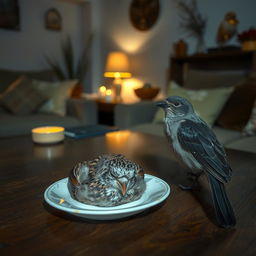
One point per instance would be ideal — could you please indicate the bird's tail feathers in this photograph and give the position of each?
(223, 209)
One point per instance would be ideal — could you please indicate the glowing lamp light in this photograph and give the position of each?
(128, 87)
(115, 140)
(117, 67)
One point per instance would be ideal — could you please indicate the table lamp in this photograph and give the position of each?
(117, 67)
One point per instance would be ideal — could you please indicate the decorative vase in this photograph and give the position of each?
(180, 48)
(249, 45)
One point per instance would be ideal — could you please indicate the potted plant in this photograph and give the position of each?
(247, 39)
(68, 69)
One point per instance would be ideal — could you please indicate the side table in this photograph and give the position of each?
(106, 112)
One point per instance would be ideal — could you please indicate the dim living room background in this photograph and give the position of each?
(31, 45)
(149, 51)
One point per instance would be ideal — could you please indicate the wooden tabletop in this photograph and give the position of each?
(183, 225)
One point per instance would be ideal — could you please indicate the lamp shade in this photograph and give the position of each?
(117, 65)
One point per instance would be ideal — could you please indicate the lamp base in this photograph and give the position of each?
(118, 90)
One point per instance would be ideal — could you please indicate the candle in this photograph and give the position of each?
(48, 134)
(108, 96)
(102, 91)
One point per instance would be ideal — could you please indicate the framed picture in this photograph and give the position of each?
(53, 19)
(9, 14)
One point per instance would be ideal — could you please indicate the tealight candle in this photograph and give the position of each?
(108, 97)
(102, 91)
(48, 134)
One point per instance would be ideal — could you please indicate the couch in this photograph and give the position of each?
(77, 111)
(139, 117)
(229, 121)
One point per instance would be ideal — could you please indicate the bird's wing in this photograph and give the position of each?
(198, 139)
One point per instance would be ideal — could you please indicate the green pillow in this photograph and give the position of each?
(207, 103)
(57, 92)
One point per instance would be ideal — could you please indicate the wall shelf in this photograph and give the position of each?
(229, 60)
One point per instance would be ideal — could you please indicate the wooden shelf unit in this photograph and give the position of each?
(229, 60)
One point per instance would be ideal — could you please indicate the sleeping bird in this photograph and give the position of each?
(106, 181)
(197, 147)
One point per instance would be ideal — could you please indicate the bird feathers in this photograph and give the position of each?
(107, 180)
(224, 212)
(196, 144)
(198, 139)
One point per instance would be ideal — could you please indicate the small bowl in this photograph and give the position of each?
(48, 134)
(147, 93)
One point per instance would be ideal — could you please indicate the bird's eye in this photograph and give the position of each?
(176, 104)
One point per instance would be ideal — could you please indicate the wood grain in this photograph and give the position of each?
(183, 225)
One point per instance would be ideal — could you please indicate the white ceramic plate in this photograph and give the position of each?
(58, 196)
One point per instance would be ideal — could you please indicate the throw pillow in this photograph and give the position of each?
(57, 92)
(250, 128)
(201, 79)
(237, 110)
(207, 103)
(21, 98)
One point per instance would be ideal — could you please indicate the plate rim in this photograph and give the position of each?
(127, 210)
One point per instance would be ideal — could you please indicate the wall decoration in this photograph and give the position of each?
(227, 28)
(144, 13)
(192, 22)
(9, 14)
(53, 19)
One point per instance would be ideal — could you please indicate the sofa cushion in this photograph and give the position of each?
(21, 98)
(12, 125)
(206, 102)
(250, 128)
(201, 79)
(8, 76)
(236, 112)
(224, 135)
(57, 92)
(153, 129)
(247, 144)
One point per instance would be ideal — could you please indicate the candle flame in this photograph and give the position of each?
(48, 129)
(102, 89)
(108, 92)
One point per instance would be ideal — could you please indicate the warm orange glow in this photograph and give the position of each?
(48, 129)
(118, 74)
(117, 65)
(108, 92)
(115, 139)
(232, 21)
(102, 89)
(128, 86)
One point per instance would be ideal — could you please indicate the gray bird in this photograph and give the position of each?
(197, 147)
(108, 180)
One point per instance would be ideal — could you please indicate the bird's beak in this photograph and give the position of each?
(162, 104)
(123, 187)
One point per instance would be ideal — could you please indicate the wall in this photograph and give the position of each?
(27, 48)
(150, 51)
